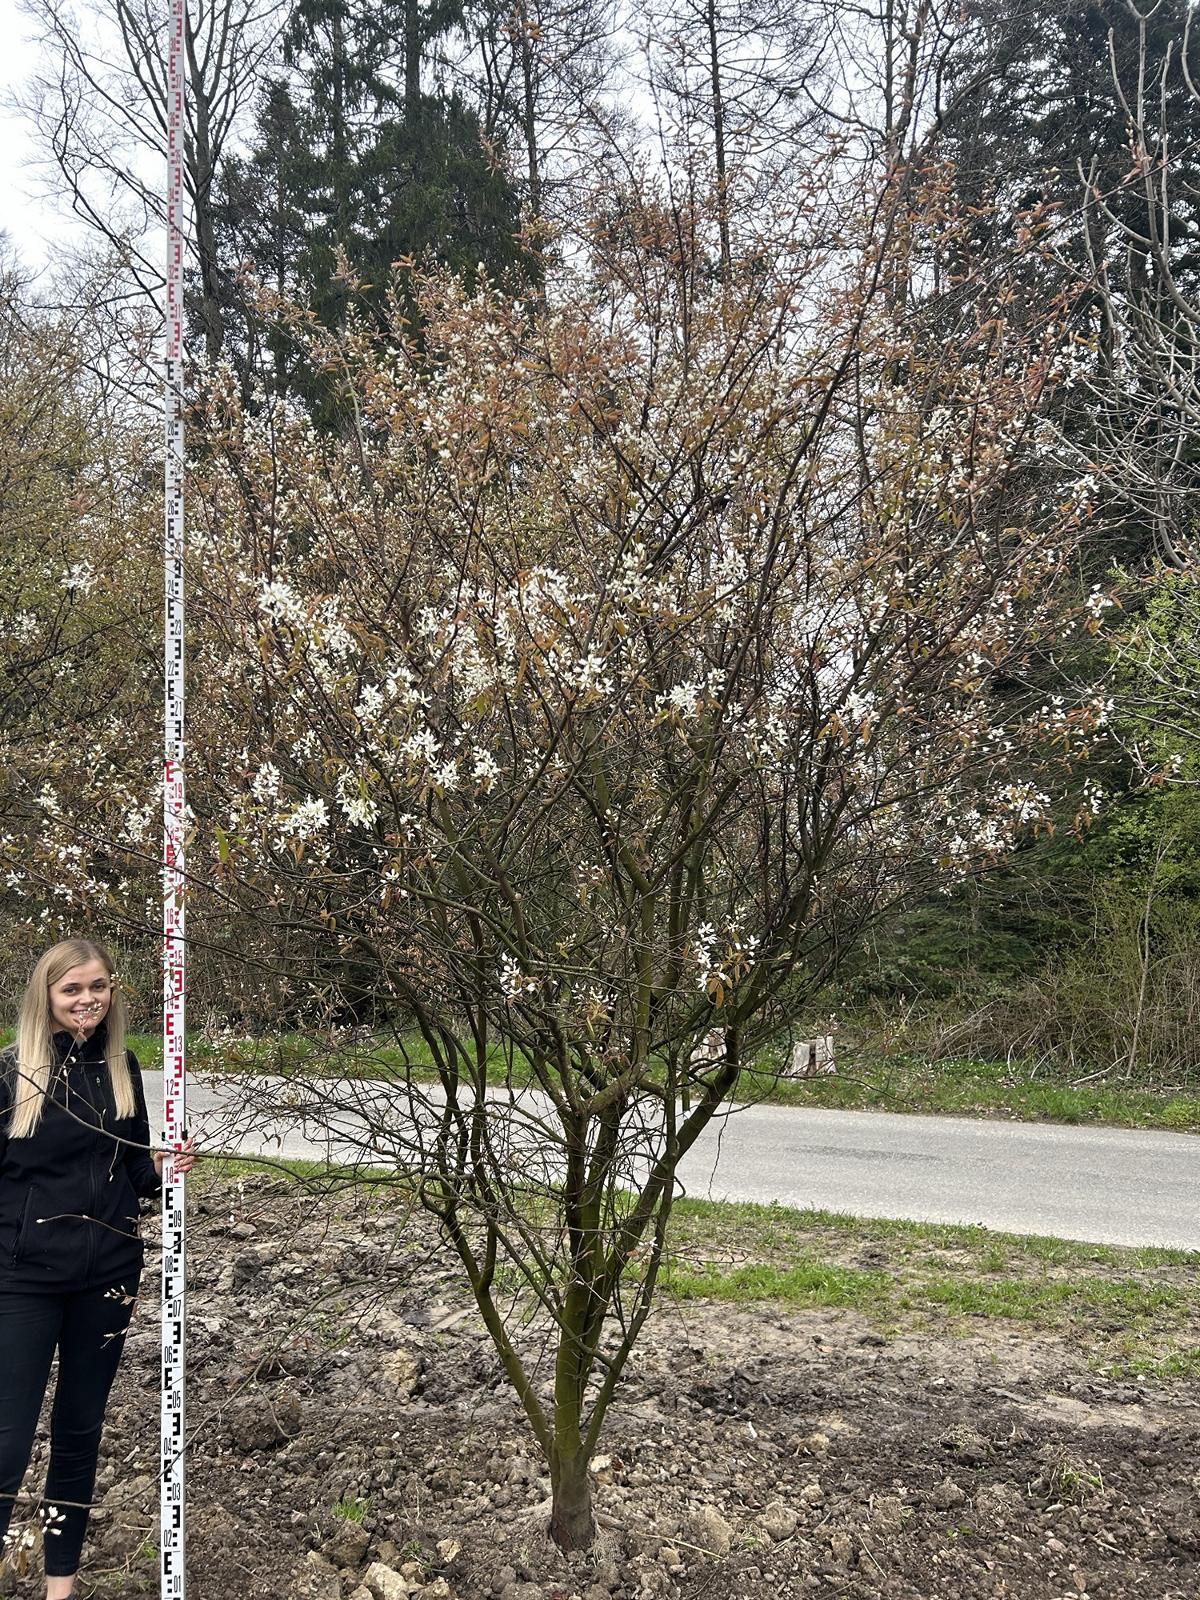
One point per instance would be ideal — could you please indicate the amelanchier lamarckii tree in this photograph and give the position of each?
(621, 666)
(593, 690)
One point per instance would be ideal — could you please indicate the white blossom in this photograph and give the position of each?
(279, 602)
(358, 809)
(1097, 602)
(684, 700)
(369, 704)
(137, 822)
(589, 675)
(80, 578)
(265, 784)
(484, 768)
(513, 982)
(307, 819)
(422, 747)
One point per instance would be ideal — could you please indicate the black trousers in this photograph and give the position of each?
(88, 1331)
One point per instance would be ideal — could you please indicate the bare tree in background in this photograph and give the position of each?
(98, 107)
(1140, 377)
(546, 77)
(736, 91)
(1145, 386)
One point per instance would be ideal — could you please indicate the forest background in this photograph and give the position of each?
(335, 148)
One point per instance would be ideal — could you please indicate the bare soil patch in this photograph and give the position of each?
(349, 1415)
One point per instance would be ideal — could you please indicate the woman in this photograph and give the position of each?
(75, 1160)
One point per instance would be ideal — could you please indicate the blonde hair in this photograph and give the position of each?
(35, 1029)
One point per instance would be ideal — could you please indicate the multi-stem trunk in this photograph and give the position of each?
(572, 1525)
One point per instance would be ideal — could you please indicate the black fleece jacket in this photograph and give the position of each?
(69, 1194)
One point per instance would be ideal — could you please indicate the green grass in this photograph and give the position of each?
(1134, 1311)
(987, 1088)
(808, 1283)
(214, 1171)
(1046, 1303)
(1180, 1363)
(762, 1228)
(351, 1508)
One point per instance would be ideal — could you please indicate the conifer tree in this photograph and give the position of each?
(360, 157)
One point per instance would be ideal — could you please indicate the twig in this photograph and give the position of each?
(868, 1553)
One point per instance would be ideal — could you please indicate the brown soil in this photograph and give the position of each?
(348, 1409)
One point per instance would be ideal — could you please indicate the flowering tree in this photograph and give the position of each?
(77, 651)
(587, 698)
(592, 696)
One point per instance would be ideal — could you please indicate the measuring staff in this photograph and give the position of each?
(172, 1544)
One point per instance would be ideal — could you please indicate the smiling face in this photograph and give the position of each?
(79, 1001)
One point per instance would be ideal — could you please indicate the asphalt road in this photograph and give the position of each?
(1105, 1185)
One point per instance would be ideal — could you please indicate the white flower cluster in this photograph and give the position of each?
(767, 738)
(1093, 796)
(401, 688)
(21, 628)
(445, 776)
(685, 700)
(330, 633)
(369, 705)
(266, 782)
(410, 829)
(540, 592)
(80, 578)
(484, 768)
(722, 958)
(279, 602)
(732, 572)
(305, 821)
(588, 675)
(1102, 711)
(513, 982)
(1097, 603)
(422, 748)
(355, 804)
(1024, 802)
(473, 671)
(137, 822)
(629, 583)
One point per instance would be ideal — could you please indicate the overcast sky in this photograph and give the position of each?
(30, 222)
(22, 217)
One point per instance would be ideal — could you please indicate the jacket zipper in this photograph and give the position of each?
(97, 1094)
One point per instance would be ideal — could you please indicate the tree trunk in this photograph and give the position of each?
(533, 165)
(718, 110)
(572, 1526)
(199, 147)
(412, 56)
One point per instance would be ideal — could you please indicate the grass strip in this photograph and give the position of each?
(808, 1283)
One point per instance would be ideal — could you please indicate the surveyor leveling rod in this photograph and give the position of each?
(172, 1543)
